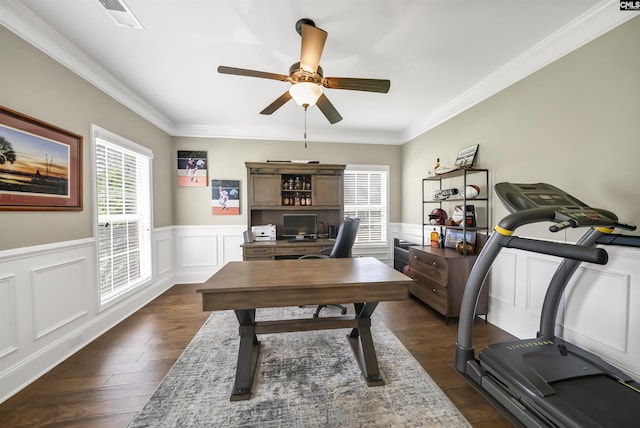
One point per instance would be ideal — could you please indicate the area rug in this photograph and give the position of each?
(303, 379)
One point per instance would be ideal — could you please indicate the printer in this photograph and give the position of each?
(265, 232)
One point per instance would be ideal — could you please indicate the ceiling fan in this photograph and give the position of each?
(306, 77)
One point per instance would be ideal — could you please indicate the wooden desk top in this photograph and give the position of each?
(273, 283)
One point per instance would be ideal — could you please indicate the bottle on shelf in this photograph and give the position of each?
(435, 238)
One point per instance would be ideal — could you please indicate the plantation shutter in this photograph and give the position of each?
(365, 197)
(123, 196)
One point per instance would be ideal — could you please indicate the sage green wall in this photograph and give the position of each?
(226, 158)
(573, 124)
(34, 84)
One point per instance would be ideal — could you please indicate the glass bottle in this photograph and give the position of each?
(435, 238)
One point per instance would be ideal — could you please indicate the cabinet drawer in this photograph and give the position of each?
(425, 264)
(434, 296)
(258, 251)
(298, 249)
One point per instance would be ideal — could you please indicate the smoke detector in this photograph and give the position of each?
(121, 14)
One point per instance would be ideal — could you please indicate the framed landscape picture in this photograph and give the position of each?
(40, 165)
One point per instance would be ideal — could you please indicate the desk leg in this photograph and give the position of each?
(247, 355)
(362, 344)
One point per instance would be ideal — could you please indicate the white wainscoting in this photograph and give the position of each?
(49, 306)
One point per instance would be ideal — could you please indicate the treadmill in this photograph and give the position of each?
(547, 381)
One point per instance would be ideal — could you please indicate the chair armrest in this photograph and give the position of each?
(314, 256)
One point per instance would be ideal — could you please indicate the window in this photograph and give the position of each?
(366, 197)
(123, 211)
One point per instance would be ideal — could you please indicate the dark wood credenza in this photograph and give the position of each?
(440, 275)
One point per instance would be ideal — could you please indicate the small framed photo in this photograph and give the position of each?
(454, 236)
(40, 165)
(467, 156)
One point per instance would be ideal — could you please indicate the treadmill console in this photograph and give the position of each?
(519, 197)
(569, 211)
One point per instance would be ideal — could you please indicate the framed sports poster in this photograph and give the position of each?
(192, 168)
(225, 197)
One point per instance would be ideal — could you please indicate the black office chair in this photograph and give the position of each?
(341, 249)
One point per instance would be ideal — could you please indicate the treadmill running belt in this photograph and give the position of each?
(595, 401)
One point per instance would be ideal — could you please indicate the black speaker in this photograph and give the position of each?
(332, 232)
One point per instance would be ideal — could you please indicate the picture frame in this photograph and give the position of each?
(192, 168)
(225, 197)
(467, 156)
(40, 165)
(453, 236)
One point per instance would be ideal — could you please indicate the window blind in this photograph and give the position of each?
(123, 200)
(366, 197)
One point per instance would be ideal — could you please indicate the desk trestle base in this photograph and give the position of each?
(359, 339)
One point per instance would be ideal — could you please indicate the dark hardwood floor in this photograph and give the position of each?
(108, 381)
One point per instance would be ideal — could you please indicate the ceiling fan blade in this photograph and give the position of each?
(368, 85)
(328, 109)
(251, 73)
(279, 102)
(313, 39)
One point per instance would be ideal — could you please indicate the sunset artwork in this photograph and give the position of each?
(33, 165)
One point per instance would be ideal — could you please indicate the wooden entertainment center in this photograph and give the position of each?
(277, 188)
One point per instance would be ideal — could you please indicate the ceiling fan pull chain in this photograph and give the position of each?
(305, 127)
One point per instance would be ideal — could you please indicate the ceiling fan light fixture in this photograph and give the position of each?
(305, 94)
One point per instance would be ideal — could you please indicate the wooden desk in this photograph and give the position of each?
(245, 286)
(271, 250)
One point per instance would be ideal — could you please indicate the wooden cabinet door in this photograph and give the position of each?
(265, 190)
(327, 190)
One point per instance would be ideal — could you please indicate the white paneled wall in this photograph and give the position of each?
(49, 305)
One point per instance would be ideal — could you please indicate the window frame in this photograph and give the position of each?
(372, 168)
(147, 258)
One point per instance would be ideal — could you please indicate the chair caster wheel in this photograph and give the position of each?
(344, 311)
(315, 315)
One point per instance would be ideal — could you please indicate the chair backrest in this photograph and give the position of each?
(345, 238)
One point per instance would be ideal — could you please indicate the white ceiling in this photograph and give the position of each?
(442, 57)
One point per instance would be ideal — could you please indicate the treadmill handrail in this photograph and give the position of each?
(568, 251)
(502, 238)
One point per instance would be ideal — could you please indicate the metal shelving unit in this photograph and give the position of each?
(456, 179)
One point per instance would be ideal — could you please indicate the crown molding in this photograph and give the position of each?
(597, 21)
(21, 21)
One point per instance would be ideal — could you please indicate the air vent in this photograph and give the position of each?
(121, 14)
